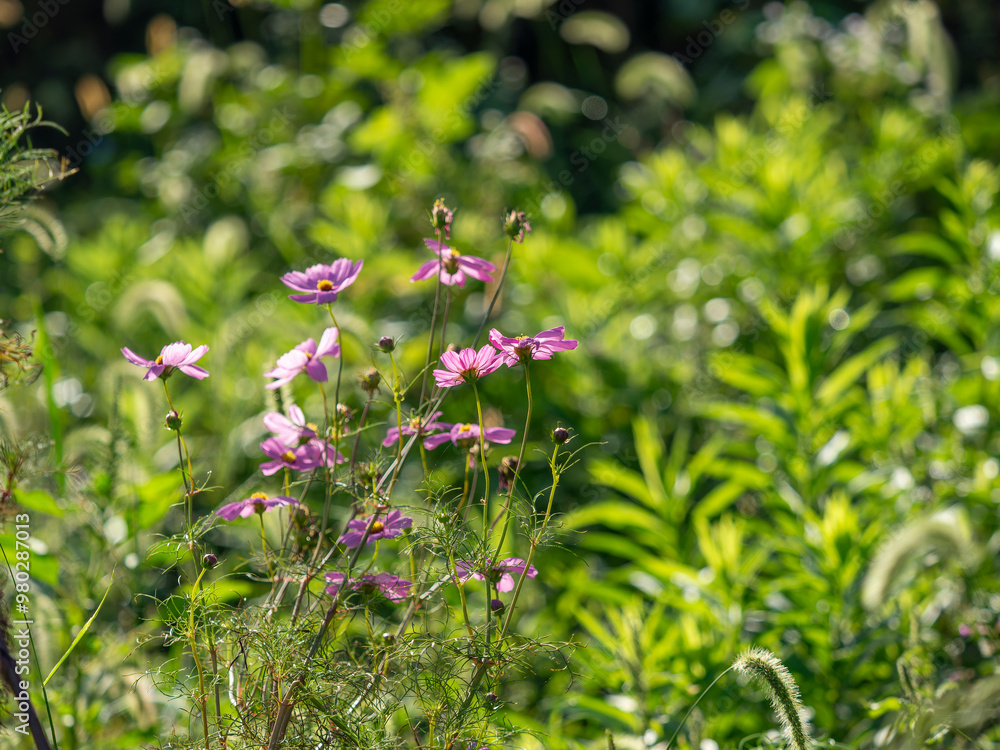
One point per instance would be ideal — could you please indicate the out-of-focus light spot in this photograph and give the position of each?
(839, 319)
(642, 327)
(554, 206)
(608, 264)
(725, 333)
(716, 310)
(594, 108)
(969, 419)
(990, 368)
(334, 15)
(685, 322)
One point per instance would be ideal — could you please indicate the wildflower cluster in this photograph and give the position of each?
(369, 575)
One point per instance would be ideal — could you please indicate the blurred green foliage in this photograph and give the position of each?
(786, 314)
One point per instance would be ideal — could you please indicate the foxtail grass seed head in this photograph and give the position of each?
(766, 669)
(946, 534)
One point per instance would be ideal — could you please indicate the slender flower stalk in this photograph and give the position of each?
(437, 301)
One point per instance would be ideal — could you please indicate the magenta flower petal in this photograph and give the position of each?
(453, 265)
(256, 503)
(322, 282)
(435, 440)
(175, 356)
(305, 358)
(390, 527)
(522, 349)
(316, 370)
(135, 359)
(466, 366)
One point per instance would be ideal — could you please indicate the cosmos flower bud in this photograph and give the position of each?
(369, 381)
(560, 435)
(387, 344)
(515, 225)
(174, 421)
(344, 413)
(442, 216)
(497, 606)
(209, 561)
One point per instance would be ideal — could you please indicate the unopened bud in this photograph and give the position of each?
(344, 413)
(442, 216)
(209, 561)
(497, 606)
(369, 381)
(387, 344)
(560, 435)
(174, 421)
(515, 225)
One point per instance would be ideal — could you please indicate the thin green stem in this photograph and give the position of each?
(693, 706)
(437, 301)
(197, 661)
(482, 443)
(263, 546)
(534, 545)
(496, 294)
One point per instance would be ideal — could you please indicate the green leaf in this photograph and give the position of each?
(156, 497)
(850, 372)
(83, 632)
(40, 501)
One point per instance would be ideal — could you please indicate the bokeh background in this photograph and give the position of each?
(773, 229)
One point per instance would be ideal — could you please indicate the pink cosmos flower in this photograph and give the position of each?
(467, 365)
(322, 283)
(177, 355)
(295, 431)
(306, 356)
(256, 503)
(301, 458)
(453, 265)
(525, 348)
(500, 573)
(290, 430)
(413, 427)
(392, 587)
(463, 435)
(390, 528)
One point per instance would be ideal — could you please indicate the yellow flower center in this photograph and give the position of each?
(311, 426)
(159, 360)
(324, 285)
(465, 428)
(377, 527)
(288, 457)
(258, 496)
(415, 423)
